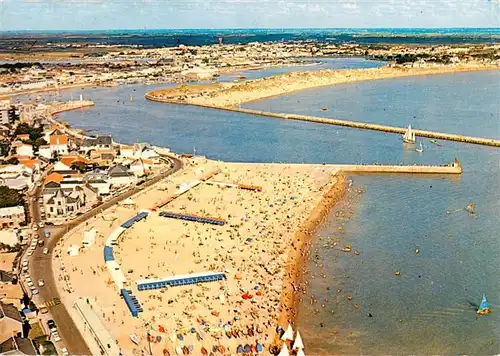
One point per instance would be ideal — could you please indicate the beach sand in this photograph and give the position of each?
(260, 249)
(223, 95)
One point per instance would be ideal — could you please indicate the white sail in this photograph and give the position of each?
(288, 335)
(298, 344)
(409, 135)
(284, 351)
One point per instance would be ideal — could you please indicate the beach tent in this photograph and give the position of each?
(284, 351)
(288, 335)
(298, 344)
(128, 202)
(74, 250)
(89, 237)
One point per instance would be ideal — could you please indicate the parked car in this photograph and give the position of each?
(56, 337)
(41, 224)
(51, 324)
(64, 352)
(34, 291)
(43, 309)
(35, 228)
(41, 283)
(45, 251)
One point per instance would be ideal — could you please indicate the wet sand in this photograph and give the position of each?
(259, 249)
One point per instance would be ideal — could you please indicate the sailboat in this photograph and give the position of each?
(484, 308)
(420, 149)
(409, 136)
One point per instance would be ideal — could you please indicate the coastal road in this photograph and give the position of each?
(41, 266)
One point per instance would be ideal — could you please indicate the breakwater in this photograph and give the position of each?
(374, 127)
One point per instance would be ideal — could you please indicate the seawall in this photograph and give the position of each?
(374, 127)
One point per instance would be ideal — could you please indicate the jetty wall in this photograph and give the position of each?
(374, 168)
(368, 126)
(345, 123)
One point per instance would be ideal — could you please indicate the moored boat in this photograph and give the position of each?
(420, 149)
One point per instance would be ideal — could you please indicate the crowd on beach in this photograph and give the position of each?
(239, 313)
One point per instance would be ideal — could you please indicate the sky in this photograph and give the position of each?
(166, 14)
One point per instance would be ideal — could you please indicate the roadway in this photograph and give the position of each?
(41, 266)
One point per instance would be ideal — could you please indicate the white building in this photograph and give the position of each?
(59, 144)
(45, 151)
(24, 150)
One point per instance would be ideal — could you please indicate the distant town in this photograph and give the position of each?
(94, 65)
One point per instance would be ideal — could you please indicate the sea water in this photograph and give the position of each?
(424, 310)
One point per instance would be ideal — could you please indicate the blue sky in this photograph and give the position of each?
(163, 14)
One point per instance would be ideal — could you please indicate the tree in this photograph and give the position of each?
(4, 149)
(39, 142)
(79, 166)
(10, 197)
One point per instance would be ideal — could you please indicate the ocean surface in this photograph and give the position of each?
(428, 308)
(198, 37)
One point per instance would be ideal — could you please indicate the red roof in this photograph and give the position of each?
(30, 163)
(53, 177)
(68, 160)
(58, 140)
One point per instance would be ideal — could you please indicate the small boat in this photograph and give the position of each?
(242, 76)
(484, 308)
(436, 143)
(420, 148)
(134, 338)
(409, 136)
(324, 108)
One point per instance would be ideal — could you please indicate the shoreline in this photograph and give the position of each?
(288, 307)
(230, 95)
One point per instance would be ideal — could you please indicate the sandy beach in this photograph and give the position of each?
(259, 249)
(221, 95)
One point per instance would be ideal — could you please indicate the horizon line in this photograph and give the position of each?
(250, 28)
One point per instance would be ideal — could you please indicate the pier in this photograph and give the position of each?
(368, 126)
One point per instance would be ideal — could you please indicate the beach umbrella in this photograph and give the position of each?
(288, 335)
(284, 351)
(298, 344)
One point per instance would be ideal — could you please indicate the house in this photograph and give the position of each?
(12, 217)
(141, 167)
(4, 115)
(45, 151)
(61, 204)
(127, 151)
(7, 278)
(70, 159)
(52, 130)
(119, 175)
(53, 177)
(23, 149)
(95, 143)
(15, 345)
(17, 177)
(59, 144)
(10, 322)
(62, 168)
(33, 164)
(102, 157)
